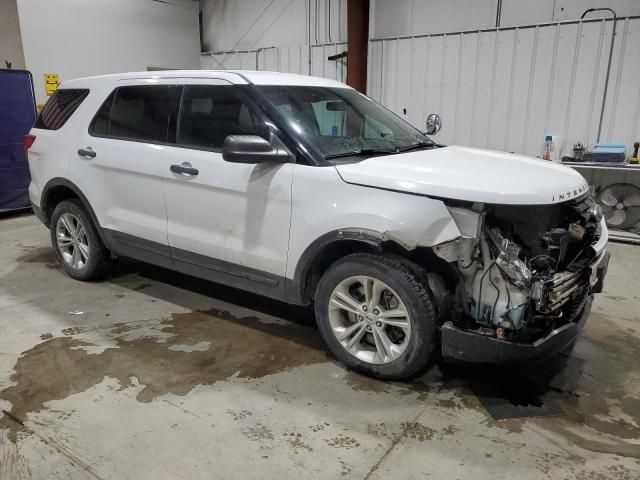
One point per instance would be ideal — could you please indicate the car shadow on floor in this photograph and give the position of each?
(504, 393)
(292, 313)
(10, 214)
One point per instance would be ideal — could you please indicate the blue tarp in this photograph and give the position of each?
(17, 114)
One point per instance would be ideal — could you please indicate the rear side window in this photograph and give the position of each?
(210, 113)
(99, 126)
(60, 107)
(139, 113)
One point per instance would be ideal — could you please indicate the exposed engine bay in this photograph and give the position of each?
(525, 269)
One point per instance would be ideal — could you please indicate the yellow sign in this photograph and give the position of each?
(51, 82)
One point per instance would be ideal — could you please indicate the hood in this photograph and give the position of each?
(469, 174)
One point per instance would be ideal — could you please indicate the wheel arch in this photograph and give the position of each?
(59, 189)
(330, 247)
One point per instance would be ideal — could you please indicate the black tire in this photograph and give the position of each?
(99, 260)
(408, 281)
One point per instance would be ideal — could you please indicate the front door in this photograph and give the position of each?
(226, 221)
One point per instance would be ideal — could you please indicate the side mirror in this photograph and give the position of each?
(252, 149)
(434, 124)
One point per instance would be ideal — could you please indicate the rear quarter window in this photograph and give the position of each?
(60, 107)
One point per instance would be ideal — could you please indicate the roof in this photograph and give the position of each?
(239, 77)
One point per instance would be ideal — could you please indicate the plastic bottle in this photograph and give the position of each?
(547, 148)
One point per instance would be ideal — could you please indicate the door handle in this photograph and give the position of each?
(185, 169)
(86, 152)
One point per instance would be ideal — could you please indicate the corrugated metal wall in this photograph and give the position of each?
(502, 89)
(505, 89)
(293, 59)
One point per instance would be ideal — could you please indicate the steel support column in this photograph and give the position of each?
(358, 39)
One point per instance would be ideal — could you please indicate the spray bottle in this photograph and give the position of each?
(547, 147)
(634, 158)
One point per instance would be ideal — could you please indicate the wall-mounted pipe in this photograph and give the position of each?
(309, 35)
(498, 13)
(606, 78)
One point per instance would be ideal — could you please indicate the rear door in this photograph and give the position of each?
(226, 221)
(121, 160)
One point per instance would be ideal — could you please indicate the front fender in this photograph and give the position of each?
(323, 204)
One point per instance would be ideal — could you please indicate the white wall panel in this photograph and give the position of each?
(433, 79)
(483, 79)
(581, 121)
(10, 38)
(502, 89)
(76, 38)
(374, 82)
(403, 83)
(393, 18)
(570, 9)
(254, 24)
(293, 59)
(415, 17)
(507, 88)
(466, 88)
(526, 12)
(519, 89)
(417, 74)
(623, 120)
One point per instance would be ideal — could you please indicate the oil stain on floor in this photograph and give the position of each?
(42, 255)
(246, 347)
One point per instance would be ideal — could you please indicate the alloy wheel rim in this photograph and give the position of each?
(369, 319)
(71, 238)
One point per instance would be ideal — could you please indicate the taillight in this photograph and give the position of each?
(28, 141)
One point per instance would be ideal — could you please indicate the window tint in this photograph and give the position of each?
(136, 113)
(210, 113)
(60, 107)
(100, 123)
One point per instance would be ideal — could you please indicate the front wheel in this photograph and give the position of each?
(376, 315)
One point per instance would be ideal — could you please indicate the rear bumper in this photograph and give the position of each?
(465, 346)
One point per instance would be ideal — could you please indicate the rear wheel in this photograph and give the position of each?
(376, 315)
(76, 242)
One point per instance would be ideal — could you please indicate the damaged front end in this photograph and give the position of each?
(527, 275)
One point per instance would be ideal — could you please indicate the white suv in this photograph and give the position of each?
(303, 190)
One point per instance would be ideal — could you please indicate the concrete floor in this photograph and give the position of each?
(153, 375)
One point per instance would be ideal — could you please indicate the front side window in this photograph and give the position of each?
(210, 113)
(140, 112)
(60, 107)
(340, 122)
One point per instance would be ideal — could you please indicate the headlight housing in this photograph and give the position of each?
(508, 261)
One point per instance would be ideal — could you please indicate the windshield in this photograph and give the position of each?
(341, 122)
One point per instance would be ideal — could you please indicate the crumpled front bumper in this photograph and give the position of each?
(467, 346)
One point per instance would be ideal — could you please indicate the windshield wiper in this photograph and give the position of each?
(415, 146)
(362, 151)
(370, 151)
